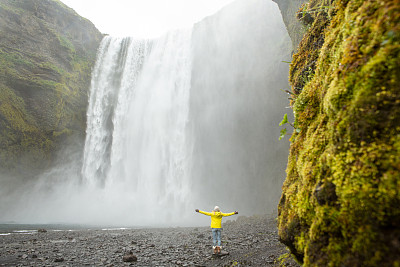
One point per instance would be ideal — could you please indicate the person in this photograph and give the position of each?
(216, 218)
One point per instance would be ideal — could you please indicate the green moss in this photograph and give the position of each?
(343, 187)
(43, 80)
(64, 42)
(10, 8)
(13, 111)
(51, 68)
(19, 133)
(14, 59)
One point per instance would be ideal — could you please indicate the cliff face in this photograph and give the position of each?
(341, 198)
(294, 27)
(46, 55)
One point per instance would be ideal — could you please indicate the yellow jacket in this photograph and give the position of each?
(216, 217)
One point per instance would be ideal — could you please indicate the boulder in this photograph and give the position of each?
(129, 257)
(59, 259)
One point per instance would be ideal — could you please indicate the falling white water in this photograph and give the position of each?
(114, 79)
(136, 143)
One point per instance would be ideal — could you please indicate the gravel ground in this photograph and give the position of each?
(250, 241)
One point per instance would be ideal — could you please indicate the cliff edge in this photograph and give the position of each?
(294, 26)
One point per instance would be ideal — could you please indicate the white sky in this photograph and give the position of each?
(144, 18)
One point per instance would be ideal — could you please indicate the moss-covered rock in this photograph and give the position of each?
(341, 198)
(46, 54)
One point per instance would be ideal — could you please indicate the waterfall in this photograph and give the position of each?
(136, 140)
(114, 79)
(189, 119)
(185, 121)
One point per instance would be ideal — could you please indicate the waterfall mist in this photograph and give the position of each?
(185, 121)
(236, 105)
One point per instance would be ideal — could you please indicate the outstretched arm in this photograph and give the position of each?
(229, 214)
(203, 212)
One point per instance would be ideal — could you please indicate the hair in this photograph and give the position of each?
(216, 208)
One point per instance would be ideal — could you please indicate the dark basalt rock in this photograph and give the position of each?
(325, 193)
(59, 259)
(129, 257)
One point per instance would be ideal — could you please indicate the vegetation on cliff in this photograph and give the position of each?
(341, 198)
(46, 55)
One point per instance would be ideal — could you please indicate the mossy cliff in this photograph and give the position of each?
(46, 55)
(341, 198)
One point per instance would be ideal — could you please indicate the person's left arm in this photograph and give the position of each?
(229, 214)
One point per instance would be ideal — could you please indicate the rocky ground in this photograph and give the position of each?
(250, 241)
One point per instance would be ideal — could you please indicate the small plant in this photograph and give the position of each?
(284, 130)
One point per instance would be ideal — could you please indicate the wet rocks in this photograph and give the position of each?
(129, 257)
(325, 193)
(251, 240)
(60, 259)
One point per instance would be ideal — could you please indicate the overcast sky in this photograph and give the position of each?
(144, 18)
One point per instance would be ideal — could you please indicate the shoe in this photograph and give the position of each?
(215, 250)
(218, 249)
